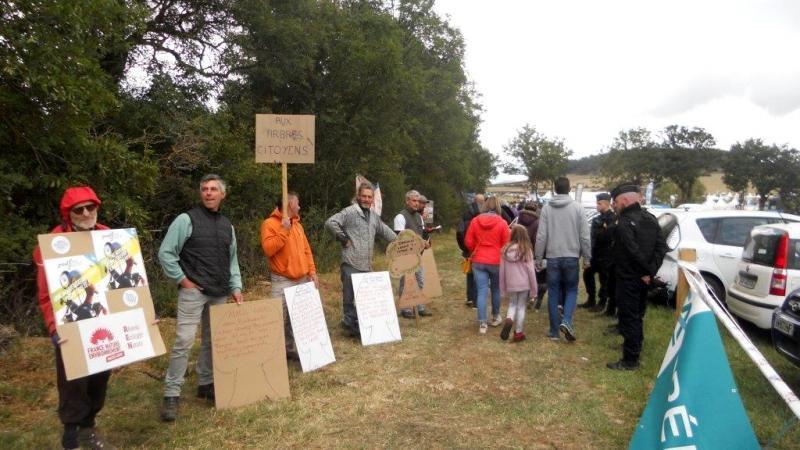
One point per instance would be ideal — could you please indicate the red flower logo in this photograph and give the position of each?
(101, 334)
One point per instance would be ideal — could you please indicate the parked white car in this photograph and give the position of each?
(718, 236)
(769, 269)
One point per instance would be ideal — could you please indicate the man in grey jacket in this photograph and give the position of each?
(562, 238)
(355, 227)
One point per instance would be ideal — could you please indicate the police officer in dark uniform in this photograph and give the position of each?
(601, 253)
(637, 251)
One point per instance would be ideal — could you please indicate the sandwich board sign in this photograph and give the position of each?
(100, 298)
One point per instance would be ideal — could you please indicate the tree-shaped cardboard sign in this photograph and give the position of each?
(405, 257)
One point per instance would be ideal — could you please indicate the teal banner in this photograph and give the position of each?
(695, 403)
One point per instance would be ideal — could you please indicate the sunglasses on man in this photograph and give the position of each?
(78, 210)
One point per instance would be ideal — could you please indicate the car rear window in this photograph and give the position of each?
(734, 230)
(761, 247)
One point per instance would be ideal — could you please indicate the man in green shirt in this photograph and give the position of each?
(199, 254)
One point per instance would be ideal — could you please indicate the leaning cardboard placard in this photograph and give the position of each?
(433, 284)
(309, 327)
(405, 257)
(101, 301)
(249, 354)
(377, 318)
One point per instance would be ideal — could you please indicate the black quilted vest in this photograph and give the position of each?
(205, 257)
(413, 221)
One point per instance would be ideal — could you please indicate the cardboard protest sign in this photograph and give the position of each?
(249, 353)
(405, 257)
(433, 285)
(405, 253)
(309, 327)
(377, 317)
(284, 138)
(101, 303)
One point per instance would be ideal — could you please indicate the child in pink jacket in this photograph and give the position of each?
(517, 280)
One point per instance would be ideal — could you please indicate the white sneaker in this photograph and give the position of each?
(496, 321)
(483, 327)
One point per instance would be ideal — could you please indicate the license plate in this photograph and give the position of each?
(748, 283)
(784, 326)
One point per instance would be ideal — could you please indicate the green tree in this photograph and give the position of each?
(686, 156)
(633, 157)
(769, 168)
(540, 158)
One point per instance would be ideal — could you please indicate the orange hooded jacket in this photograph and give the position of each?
(287, 250)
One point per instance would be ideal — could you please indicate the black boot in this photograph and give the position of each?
(206, 391)
(170, 409)
(590, 303)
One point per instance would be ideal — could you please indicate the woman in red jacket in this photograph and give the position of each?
(486, 235)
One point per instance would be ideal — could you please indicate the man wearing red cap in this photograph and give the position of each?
(81, 399)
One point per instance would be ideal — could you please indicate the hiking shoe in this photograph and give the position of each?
(506, 329)
(496, 320)
(518, 337)
(482, 328)
(407, 313)
(206, 391)
(169, 412)
(623, 365)
(569, 333)
(424, 313)
(88, 438)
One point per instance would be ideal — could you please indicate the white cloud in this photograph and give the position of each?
(584, 70)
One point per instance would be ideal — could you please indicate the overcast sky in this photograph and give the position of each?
(583, 70)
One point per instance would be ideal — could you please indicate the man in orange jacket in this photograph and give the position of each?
(290, 260)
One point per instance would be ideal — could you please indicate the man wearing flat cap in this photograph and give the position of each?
(637, 251)
(600, 231)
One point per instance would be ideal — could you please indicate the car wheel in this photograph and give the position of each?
(716, 288)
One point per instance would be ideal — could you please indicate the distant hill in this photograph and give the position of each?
(590, 165)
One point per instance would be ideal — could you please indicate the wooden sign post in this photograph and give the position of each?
(283, 138)
(682, 290)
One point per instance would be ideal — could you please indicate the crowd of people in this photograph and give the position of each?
(519, 253)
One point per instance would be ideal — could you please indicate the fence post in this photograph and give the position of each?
(682, 290)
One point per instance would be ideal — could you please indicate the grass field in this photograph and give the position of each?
(443, 386)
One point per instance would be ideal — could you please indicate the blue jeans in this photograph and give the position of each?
(486, 276)
(562, 276)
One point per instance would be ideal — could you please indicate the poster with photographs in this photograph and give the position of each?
(96, 276)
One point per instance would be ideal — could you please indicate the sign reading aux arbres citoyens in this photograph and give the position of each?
(284, 138)
(101, 301)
